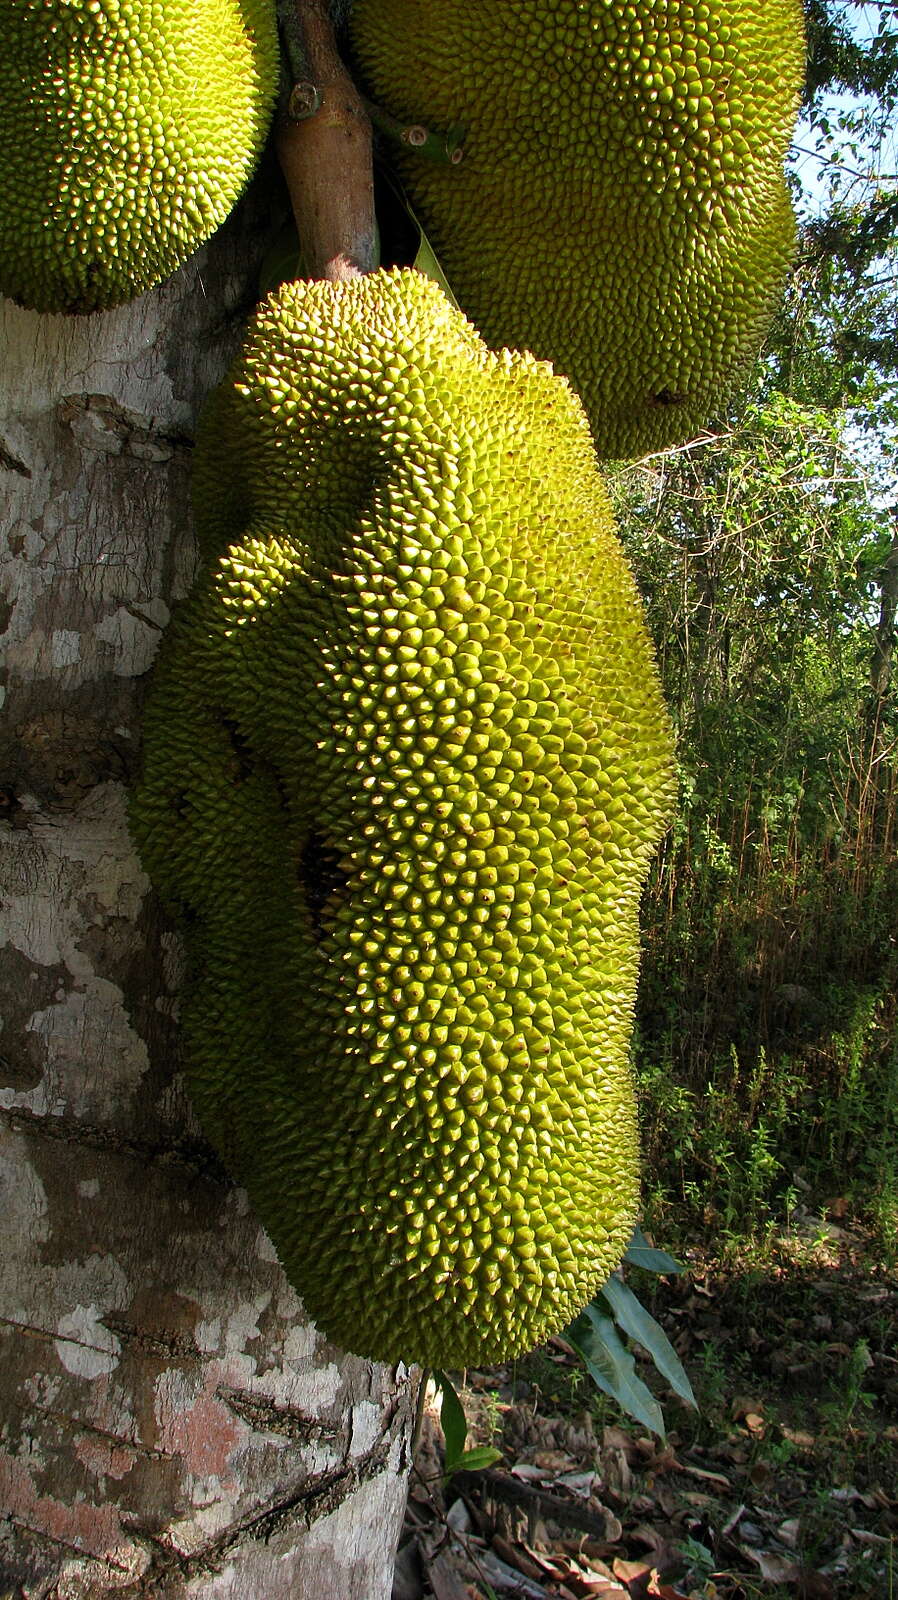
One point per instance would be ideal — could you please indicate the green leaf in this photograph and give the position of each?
(630, 1314)
(483, 1455)
(452, 1417)
(611, 1366)
(641, 1254)
(455, 1432)
(425, 261)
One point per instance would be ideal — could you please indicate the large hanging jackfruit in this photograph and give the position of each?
(620, 208)
(129, 129)
(405, 762)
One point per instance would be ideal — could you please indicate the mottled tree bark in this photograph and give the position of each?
(172, 1424)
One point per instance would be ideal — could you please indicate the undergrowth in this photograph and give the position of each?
(766, 1049)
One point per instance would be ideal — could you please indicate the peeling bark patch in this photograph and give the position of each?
(131, 636)
(127, 949)
(90, 1026)
(65, 648)
(103, 1459)
(85, 1345)
(11, 463)
(28, 986)
(367, 1426)
(208, 1336)
(301, 1343)
(100, 423)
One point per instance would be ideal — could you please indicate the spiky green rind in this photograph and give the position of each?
(620, 208)
(128, 129)
(406, 761)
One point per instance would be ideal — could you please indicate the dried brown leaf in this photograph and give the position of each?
(664, 1591)
(813, 1586)
(554, 1461)
(522, 1558)
(619, 1439)
(614, 1531)
(660, 1544)
(408, 1578)
(633, 1572)
(669, 1501)
(441, 1566)
(760, 1473)
(580, 1483)
(704, 1475)
(604, 1589)
(744, 1405)
(773, 1568)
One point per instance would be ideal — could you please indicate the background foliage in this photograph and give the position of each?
(767, 1046)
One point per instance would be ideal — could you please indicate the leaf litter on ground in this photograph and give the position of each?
(784, 1485)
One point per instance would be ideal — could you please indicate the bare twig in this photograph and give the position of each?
(324, 147)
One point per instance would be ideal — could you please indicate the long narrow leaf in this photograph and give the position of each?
(453, 1420)
(426, 261)
(611, 1366)
(641, 1254)
(630, 1315)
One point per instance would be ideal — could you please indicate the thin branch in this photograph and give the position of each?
(324, 147)
(840, 166)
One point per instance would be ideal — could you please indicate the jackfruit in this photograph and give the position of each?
(620, 208)
(129, 129)
(406, 759)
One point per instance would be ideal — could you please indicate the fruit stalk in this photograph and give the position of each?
(324, 147)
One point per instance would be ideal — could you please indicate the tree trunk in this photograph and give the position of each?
(172, 1424)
